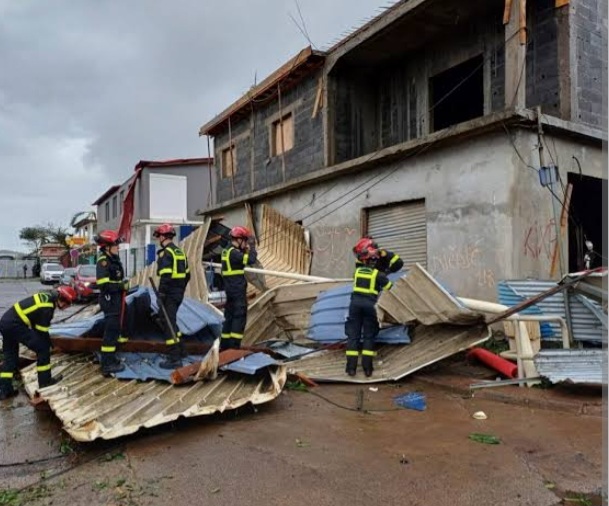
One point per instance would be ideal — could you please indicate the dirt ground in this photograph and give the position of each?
(302, 449)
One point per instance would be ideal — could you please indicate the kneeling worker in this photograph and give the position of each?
(28, 322)
(362, 323)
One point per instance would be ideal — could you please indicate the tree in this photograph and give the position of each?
(57, 234)
(34, 236)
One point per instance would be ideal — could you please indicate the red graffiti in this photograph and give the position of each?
(539, 240)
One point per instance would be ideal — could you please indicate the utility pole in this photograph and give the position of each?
(556, 205)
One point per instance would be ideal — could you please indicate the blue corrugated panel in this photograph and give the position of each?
(150, 253)
(329, 313)
(508, 297)
(250, 364)
(145, 366)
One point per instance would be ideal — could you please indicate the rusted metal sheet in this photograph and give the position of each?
(417, 297)
(91, 406)
(393, 362)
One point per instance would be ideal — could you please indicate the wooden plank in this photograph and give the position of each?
(523, 22)
(318, 97)
(561, 3)
(506, 11)
(564, 221)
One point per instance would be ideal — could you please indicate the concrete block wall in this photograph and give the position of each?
(256, 169)
(542, 71)
(588, 19)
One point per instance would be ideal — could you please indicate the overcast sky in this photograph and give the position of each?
(88, 87)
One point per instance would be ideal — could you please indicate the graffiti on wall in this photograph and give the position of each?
(467, 258)
(332, 250)
(539, 240)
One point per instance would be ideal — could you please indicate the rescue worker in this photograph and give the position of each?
(172, 267)
(387, 261)
(235, 258)
(362, 323)
(28, 322)
(112, 287)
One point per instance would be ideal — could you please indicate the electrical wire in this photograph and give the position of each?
(348, 408)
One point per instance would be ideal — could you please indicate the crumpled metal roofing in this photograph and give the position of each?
(91, 406)
(329, 313)
(145, 366)
(573, 365)
(418, 298)
(430, 344)
(585, 325)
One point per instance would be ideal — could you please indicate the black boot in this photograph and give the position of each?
(110, 364)
(351, 368)
(6, 390)
(173, 360)
(182, 347)
(367, 365)
(47, 380)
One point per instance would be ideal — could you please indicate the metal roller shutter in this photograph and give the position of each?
(401, 228)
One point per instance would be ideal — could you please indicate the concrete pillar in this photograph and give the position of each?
(566, 56)
(515, 58)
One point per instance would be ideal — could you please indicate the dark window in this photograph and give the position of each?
(114, 206)
(457, 94)
(107, 211)
(122, 198)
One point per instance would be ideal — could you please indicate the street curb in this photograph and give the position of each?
(573, 407)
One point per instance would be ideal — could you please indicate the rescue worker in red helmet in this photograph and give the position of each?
(235, 258)
(27, 322)
(111, 284)
(387, 261)
(362, 325)
(172, 268)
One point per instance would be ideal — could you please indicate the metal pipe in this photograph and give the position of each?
(278, 274)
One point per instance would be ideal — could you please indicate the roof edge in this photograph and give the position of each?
(110, 191)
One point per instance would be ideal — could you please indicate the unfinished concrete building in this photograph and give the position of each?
(436, 129)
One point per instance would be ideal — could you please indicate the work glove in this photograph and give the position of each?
(126, 284)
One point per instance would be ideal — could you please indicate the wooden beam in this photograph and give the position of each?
(506, 11)
(93, 344)
(318, 97)
(564, 221)
(561, 3)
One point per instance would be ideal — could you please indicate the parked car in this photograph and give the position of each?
(84, 282)
(50, 273)
(67, 278)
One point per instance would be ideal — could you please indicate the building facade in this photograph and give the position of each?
(450, 132)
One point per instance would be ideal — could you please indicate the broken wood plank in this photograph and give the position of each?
(93, 344)
(561, 3)
(506, 11)
(564, 215)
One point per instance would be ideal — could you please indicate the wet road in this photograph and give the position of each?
(304, 450)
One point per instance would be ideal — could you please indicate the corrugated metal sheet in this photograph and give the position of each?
(91, 406)
(576, 366)
(329, 314)
(401, 228)
(145, 366)
(418, 297)
(250, 364)
(585, 324)
(393, 362)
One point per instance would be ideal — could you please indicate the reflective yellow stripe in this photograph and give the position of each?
(7, 375)
(225, 336)
(246, 258)
(177, 256)
(167, 270)
(179, 334)
(229, 271)
(352, 353)
(170, 342)
(235, 335)
(369, 353)
(22, 315)
(388, 285)
(102, 257)
(394, 260)
(103, 281)
(41, 328)
(40, 301)
(122, 339)
(108, 349)
(368, 274)
(42, 368)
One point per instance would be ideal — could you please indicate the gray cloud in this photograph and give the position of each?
(89, 88)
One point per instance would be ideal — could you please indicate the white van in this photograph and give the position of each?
(50, 273)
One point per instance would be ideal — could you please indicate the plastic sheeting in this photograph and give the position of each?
(329, 313)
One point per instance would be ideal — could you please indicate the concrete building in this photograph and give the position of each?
(427, 129)
(84, 224)
(165, 192)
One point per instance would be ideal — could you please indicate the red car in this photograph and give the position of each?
(84, 282)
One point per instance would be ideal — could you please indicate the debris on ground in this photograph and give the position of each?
(487, 439)
(479, 415)
(411, 400)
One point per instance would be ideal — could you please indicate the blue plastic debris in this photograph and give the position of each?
(250, 364)
(411, 400)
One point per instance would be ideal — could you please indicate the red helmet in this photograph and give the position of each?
(165, 229)
(240, 233)
(363, 244)
(107, 238)
(66, 294)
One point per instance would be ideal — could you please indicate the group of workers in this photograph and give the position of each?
(28, 321)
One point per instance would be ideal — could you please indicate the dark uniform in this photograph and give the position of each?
(27, 322)
(387, 262)
(172, 267)
(362, 321)
(111, 288)
(235, 286)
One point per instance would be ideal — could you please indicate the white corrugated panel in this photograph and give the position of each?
(401, 228)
